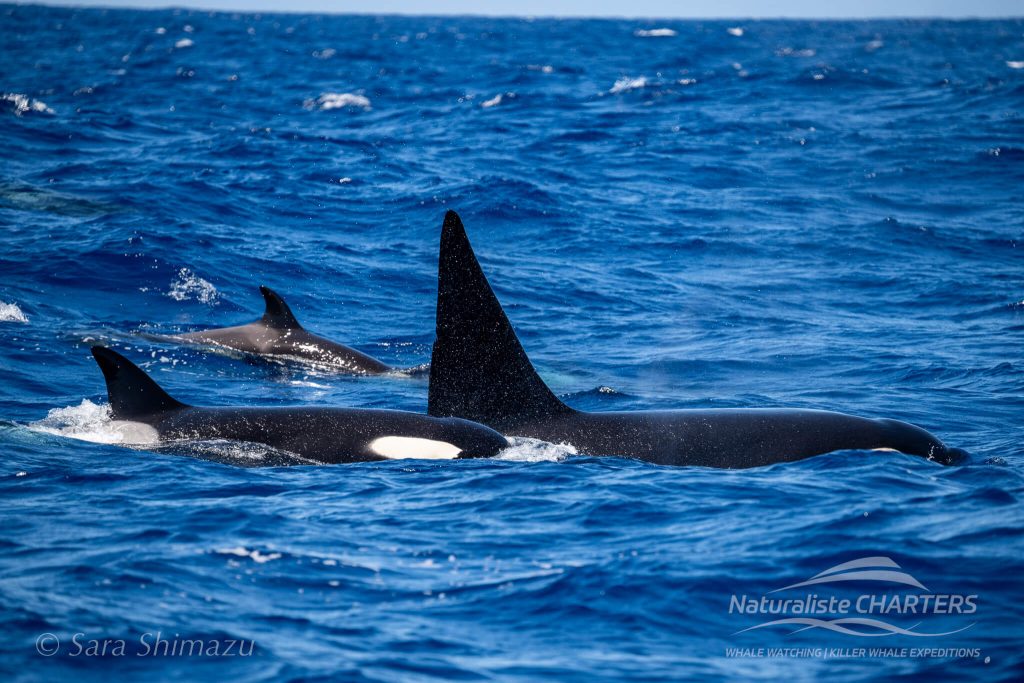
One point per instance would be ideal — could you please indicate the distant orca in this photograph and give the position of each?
(278, 333)
(145, 413)
(480, 372)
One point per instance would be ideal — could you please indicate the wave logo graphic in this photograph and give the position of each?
(899, 593)
(842, 624)
(881, 569)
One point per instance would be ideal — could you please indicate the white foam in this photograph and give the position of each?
(494, 101)
(626, 84)
(91, 422)
(188, 285)
(10, 313)
(524, 449)
(305, 383)
(254, 555)
(1015, 65)
(24, 104)
(326, 53)
(337, 100)
(790, 52)
(184, 42)
(735, 31)
(654, 33)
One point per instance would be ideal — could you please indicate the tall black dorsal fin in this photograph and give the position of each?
(131, 391)
(478, 370)
(277, 314)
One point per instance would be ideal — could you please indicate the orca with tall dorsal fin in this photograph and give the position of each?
(479, 371)
(278, 333)
(146, 414)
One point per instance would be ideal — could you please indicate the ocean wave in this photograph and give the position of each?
(10, 313)
(187, 285)
(672, 242)
(338, 100)
(254, 555)
(23, 104)
(794, 52)
(625, 84)
(497, 99)
(654, 33)
(87, 421)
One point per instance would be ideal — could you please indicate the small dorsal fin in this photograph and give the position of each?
(478, 370)
(131, 391)
(277, 314)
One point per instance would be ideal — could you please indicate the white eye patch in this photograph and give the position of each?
(412, 447)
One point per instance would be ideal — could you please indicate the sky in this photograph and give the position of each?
(607, 8)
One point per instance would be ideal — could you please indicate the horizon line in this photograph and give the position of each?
(500, 15)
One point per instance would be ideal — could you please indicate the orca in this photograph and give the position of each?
(479, 371)
(144, 413)
(278, 333)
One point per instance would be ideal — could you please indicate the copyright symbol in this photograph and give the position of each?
(47, 644)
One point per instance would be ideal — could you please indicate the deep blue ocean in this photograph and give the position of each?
(674, 214)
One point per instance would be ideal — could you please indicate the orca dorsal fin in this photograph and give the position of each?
(278, 314)
(478, 369)
(132, 393)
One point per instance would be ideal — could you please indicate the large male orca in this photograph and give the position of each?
(145, 413)
(278, 333)
(480, 372)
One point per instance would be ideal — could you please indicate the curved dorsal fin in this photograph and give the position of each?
(277, 314)
(131, 391)
(478, 369)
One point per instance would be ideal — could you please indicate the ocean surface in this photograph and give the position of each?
(675, 215)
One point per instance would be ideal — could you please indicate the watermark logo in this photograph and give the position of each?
(149, 644)
(894, 604)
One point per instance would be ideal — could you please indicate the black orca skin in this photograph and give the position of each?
(322, 435)
(479, 371)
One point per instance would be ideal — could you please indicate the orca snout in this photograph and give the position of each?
(473, 439)
(912, 440)
(955, 456)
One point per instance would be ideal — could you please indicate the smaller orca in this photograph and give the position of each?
(145, 413)
(479, 371)
(278, 333)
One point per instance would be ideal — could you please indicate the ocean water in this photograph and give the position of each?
(675, 214)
